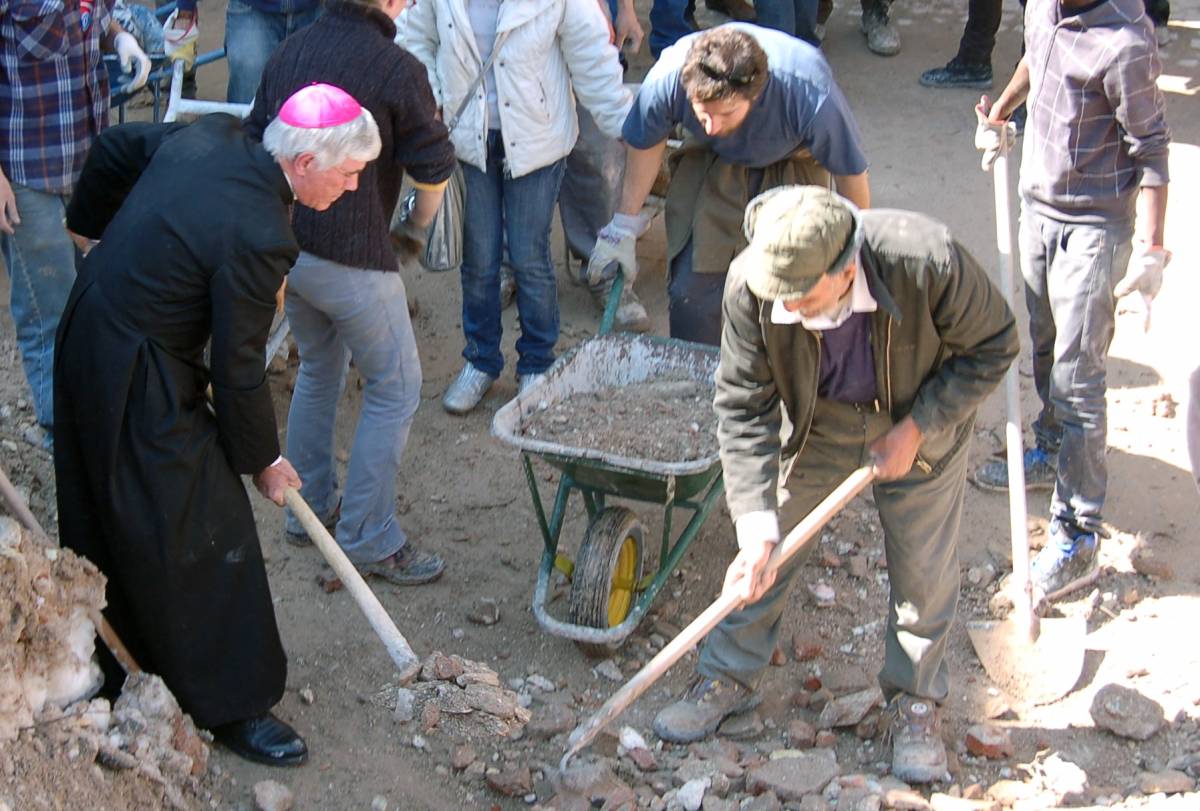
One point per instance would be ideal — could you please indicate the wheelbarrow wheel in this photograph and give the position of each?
(607, 571)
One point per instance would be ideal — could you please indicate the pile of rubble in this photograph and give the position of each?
(60, 748)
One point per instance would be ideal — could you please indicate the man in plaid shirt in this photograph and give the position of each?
(1095, 149)
(53, 102)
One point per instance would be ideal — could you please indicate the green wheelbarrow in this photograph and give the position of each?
(610, 593)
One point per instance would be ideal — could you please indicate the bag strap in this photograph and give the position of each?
(478, 79)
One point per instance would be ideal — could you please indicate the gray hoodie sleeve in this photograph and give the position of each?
(1131, 85)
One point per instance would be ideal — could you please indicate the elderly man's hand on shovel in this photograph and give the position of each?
(747, 577)
(895, 451)
(273, 480)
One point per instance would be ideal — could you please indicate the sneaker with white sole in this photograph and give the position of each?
(467, 390)
(1041, 472)
(1069, 556)
(703, 707)
(918, 752)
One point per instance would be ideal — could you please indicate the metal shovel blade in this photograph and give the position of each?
(1032, 671)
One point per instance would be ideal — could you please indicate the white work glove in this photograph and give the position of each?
(179, 39)
(747, 578)
(617, 242)
(128, 50)
(989, 135)
(1144, 275)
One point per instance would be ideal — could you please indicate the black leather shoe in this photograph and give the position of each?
(264, 739)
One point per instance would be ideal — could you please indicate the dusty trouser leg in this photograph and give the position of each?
(590, 187)
(1080, 267)
(1193, 424)
(740, 647)
(694, 300)
(920, 517)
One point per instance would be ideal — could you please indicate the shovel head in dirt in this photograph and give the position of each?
(1033, 668)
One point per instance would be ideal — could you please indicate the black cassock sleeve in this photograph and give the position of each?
(243, 303)
(114, 163)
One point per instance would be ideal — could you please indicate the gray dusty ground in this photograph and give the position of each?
(463, 495)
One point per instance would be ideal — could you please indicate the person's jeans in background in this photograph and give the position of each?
(1070, 271)
(667, 24)
(795, 17)
(336, 313)
(521, 209)
(590, 189)
(40, 258)
(251, 36)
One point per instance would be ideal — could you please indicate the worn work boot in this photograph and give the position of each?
(882, 37)
(1041, 472)
(703, 707)
(1068, 556)
(467, 390)
(738, 10)
(918, 753)
(956, 73)
(408, 567)
(631, 313)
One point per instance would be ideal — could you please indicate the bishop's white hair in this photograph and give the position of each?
(357, 139)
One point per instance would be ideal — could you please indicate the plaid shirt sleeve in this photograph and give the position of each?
(1132, 88)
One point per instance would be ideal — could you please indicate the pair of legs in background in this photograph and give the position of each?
(518, 211)
(337, 313)
(251, 36)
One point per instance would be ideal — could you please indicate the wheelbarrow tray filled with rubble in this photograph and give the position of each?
(609, 593)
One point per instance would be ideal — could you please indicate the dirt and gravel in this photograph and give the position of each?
(660, 420)
(463, 495)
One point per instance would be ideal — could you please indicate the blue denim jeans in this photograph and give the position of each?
(498, 205)
(338, 312)
(40, 258)
(251, 36)
(667, 24)
(1070, 271)
(795, 17)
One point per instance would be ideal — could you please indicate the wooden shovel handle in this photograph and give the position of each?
(397, 646)
(108, 636)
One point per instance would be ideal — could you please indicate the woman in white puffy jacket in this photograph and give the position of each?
(512, 138)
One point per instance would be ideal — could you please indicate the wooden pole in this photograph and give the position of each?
(397, 646)
(108, 636)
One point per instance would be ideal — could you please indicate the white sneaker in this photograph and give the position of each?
(467, 390)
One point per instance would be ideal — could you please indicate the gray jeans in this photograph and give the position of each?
(590, 188)
(1070, 271)
(338, 312)
(919, 514)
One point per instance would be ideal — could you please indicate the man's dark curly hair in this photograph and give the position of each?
(724, 62)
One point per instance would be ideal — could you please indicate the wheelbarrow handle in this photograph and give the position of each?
(711, 616)
(397, 646)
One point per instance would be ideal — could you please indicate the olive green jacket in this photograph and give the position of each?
(942, 335)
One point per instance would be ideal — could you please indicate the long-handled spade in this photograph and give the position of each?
(1034, 660)
(711, 616)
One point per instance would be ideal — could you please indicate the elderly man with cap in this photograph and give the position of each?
(849, 339)
(193, 224)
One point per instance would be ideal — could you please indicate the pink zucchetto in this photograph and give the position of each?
(319, 106)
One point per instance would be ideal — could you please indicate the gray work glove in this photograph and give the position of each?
(1144, 275)
(617, 242)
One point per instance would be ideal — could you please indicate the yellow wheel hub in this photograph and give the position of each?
(624, 582)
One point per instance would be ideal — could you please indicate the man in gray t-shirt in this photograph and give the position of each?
(759, 109)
